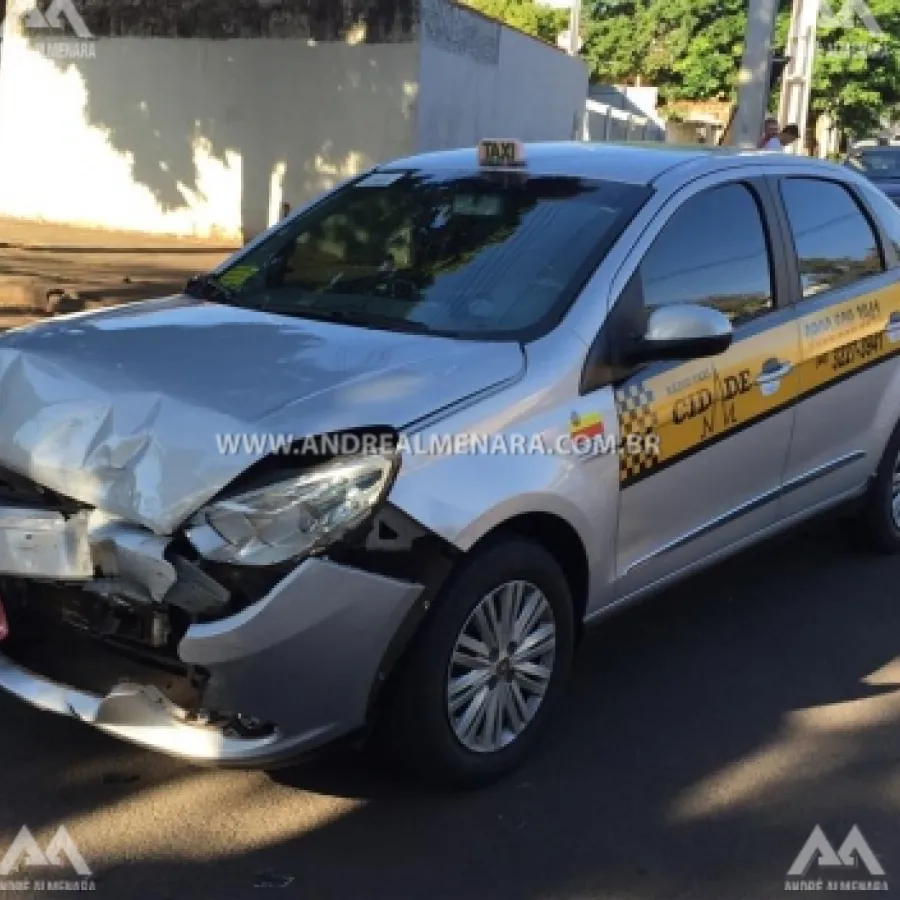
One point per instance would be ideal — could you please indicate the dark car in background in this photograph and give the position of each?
(881, 165)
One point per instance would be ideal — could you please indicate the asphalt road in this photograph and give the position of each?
(707, 733)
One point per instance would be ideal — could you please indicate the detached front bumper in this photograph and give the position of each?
(306, 659)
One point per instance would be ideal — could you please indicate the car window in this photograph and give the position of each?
(834, 240)
(880, 163)
(712, 252)
(470, 254)
(887, 212)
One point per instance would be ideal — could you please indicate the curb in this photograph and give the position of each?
(80, 248)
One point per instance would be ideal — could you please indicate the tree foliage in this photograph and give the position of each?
(857, 73)
(692, 49)
(533, 18)
(689, 49)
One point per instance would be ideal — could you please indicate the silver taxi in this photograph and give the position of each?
(375, 474)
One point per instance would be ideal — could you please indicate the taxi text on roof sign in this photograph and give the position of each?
(501, 153)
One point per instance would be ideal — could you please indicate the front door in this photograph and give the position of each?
(723, 423)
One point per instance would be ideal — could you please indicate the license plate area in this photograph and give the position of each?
(44, 544)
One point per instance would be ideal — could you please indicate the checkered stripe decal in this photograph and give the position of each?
(634, 407)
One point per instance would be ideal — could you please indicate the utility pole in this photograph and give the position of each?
(753, 79)
(801, 48)
(575, 28)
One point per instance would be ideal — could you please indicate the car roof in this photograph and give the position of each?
(636, 162)
(877, 148)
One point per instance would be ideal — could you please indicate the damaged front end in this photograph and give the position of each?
(253, 634)
(226, 605)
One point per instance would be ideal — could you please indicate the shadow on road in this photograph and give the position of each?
(707, 732)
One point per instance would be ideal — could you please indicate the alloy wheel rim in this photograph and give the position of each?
(501, 666)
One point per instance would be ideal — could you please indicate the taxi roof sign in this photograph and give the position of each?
(496, 152)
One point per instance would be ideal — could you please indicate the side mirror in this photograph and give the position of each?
(683, 332)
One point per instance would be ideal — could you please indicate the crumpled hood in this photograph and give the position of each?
(124, 409)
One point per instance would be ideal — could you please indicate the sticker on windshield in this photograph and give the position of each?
(236, 277)
(381, 179)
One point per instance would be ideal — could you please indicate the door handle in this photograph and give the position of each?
(769, 376)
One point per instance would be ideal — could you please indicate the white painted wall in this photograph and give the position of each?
(200, 137)
(480, 80)
(186, 137)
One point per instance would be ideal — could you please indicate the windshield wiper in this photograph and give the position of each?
(206, 287)
(343, 317)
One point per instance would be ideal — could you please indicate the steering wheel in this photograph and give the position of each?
(400, 289)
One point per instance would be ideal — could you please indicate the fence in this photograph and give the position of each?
(603, 122)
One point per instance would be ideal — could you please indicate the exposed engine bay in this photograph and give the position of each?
(181, 652)
(86, 589)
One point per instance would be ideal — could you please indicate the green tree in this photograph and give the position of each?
(617, 38)
(543, 22)
(689, 49)
(692, 49)
(857, 73)
(856, 76)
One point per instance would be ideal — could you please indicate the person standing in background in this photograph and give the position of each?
(789, 135)
(770, 133)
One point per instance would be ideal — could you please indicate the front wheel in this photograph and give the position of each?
(489, 668)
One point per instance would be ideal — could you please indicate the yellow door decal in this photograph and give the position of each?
(840, 341)
(695, 404)
(692, 405)
(637, 418)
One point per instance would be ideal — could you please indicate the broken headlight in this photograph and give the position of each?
(290, 518)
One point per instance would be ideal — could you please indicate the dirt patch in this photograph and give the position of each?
(98, 278)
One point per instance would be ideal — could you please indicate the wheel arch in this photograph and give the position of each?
(887, 419)
(560, 539)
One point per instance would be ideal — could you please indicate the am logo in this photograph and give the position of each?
(844, 866)
(25, 852)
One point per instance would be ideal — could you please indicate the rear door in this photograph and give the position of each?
(848, 307)
(724, 423)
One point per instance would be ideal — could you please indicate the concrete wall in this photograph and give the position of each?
(610, 123)
(199, 117)
(194, 135)
(642, 101)
(480, 79)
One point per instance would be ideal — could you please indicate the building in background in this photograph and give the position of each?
(698, 121)
(203, 118)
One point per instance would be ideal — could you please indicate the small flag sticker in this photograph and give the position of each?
(589, 426)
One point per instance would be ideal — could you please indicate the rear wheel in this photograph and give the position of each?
(881, 512)
(488, 669)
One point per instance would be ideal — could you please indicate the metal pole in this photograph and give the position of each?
(753, 79)
(575, 28)
(797, 80)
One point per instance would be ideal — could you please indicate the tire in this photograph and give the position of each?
(418, 721)
(880, 526)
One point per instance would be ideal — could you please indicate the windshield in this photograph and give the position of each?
(879, 163)
(482, 255)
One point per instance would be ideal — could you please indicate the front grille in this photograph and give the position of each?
(78, 660)
(65, 635)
